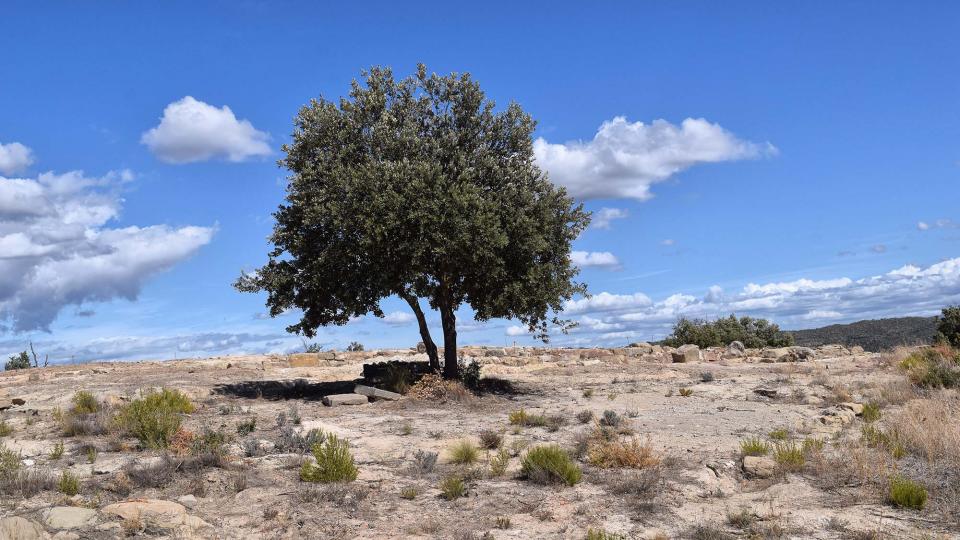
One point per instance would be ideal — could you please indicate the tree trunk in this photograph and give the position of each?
(424, 331)
(451, 369)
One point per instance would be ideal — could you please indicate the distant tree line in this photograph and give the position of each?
(752, 332)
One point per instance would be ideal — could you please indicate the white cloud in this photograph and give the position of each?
(56, 249)
(922, 225)
(879, 248)
(14, 157)
(191, 130)
(668, 242)
(624, 159)
(398, 318)
(802, 303)
(599, 259)
(603, 217)
(517, 331)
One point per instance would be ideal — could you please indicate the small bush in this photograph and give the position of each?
(789, 456)
(499, 462)
(743, 519)
(423, 462)
(57, 451)
(464, 453)
(355, 346)
(616, 454)
(68, 484)
(397, 378)
(453, 487)
(779, 434)
(503, 522)
(584, 416)
(470, 374)
(18, 361)
(5, 428)
(490, 439)
(871, 412)
(549, 464)
(247, 426)
(409, 493)
(610, 419)
(84, 403)
(291, 440)
(524, 419)
(906, 493)
(155, 417)
(754, 446)
(933, 367)
(334, 462)
(686, 392)
(811, 446)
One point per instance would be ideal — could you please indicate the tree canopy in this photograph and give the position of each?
(418, 188)
(948, 326)
(753, 333)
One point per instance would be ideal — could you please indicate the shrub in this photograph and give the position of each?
(5, 428)
(464, 453)
(490, 439)
(933, 367)
(499, 462)
(584, 416)
(906, 493)
(522, 418)
(779, 434)
(453, 487)
(789, 456)
(617, 454)
(753, 333)
(291, 440)
(409, 493)
(57, 451)
(397, 378)
(155, 417)
(355, 346)
(68, 484)
(334, 462)
(18, 361)
(84, 403)
(503, 522)
(811, 446)
(423, 462)
(871, 412)
(247, 426)
(754, 446)
(610, 419)
(948, 326)
(600, 534)
(686, 392)
(707, 376)
(549, 464)
(470, 374)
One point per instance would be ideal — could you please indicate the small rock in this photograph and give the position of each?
(69, 517)
(857, 408)
(377, 393)
(759, 466)
(766, 392)
(188, 500)
(336, 400)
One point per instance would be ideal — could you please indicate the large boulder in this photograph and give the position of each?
(69, 517)
(686, 353)
(759, 466)
(735, 350)
(18, 528)
(157, 513)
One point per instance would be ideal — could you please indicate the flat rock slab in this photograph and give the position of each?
(69, 517)
(370, 391)
(335, 400)
(18, 528)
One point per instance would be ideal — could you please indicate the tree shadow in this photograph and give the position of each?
(288, 389)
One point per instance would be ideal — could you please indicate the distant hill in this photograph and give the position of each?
(874, 335)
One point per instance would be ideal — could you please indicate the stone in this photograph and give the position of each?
(18, 528)
(856, 349)
(189, 501)
(766, 391)
(69, 517)
(66, 535)
(734, 350)
(377, 393)
(837, 416)
(857, 408)
(759, 466)
(686, 353)
(495, 353)
(159, 513)
(302, 360)
(335, 400)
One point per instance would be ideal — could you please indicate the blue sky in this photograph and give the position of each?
(798, 162)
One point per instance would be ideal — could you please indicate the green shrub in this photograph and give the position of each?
(789, 456)
(453, 487)
(523, 418)
(464, 452)
(68, 484)
(9, 460)
(933, 367)
(470, 374)
(247, 426)
(871, 412)
(610, 419)
(18, 361)
(754, 446)
(753, 333)
(906, 493)
(84, 403)
(334, 462)
(948, 326)
(155, 417)
(355, 346)
(57, 451)
(499, 462)
(5, 428)
(811, 445)
(409, 493)
(549, 464)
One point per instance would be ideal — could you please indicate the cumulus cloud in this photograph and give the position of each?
(625, 158)
(56, 249)
(603, 217)
(923, 225)
(398, 318)
(802, 303)
(14, 157)
(598, 259)
(191, 130)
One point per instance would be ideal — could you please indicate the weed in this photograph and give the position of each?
(754, 446)
(610, 419)
(464, 452)
(247, 426)
(523, 419)
(397, 378)
(549, 464)
(780, 434)
(600, 534)
(584, 416)
(498, 463)
(906, 493)
(423, 462)
(789, 456)
(91, 454)
(84, 403)
(490, 439)
(291, 440)
(686, 392)
(155, 417)
(5, 428)
(612, 396)
(707, 376)
(871, 412)
(452, 487)
(69, 484)
(743, 519)
(57, 451)
(334, 462)
(503, 522)
(616, 454)
(409, 493)
(406, 430)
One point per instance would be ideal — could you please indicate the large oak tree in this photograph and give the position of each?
(422, 189)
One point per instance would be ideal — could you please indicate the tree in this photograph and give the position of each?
(753, 333)
(18, 361)
(419, 188)
(948, 326)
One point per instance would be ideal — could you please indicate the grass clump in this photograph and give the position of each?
(549, 464)
(789, 456)
(754, 446)
(57, 451)
(633, 454)
(5, 428)
(871, 412)
(906, 493)
(409, 493)
(588, 393)
(524, 419)
(452, 488)
(584, 416)
(84, 403)
(247, 426)
(600, 534)
(686, 392)
(464, 453)
(498, 463)
(334, 462)
(155, 417)
(68, 484)
(780, 434)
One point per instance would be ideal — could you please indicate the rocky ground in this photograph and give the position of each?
(689, 410)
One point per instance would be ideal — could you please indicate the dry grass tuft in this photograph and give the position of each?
(617, 454)
(435, 388)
